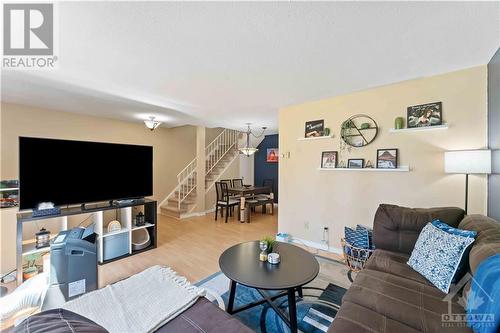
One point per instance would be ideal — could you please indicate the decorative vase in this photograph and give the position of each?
(399, 123)
(327, 131)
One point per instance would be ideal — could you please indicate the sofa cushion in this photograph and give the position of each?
(356, 318)
(437, 255)
(57, 321)
(204, 316)
(487, 241)
(415, 304)
(394, 263)
(397, 228)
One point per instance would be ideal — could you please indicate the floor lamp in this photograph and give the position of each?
(467, 162)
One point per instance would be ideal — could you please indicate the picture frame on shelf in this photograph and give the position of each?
(329, 160)
(424, 115)
(387, 158)
(355, 163)
(314, 128)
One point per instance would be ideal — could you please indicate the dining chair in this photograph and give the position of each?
(266, 198)
(237, 182)
(224, 200)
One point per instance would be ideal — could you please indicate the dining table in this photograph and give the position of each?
(245, 192)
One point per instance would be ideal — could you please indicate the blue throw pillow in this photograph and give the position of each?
(454, 231)
(437, 255)
(357, 238)
(464, 263)
(360, 227)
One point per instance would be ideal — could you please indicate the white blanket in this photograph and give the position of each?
(142, 303)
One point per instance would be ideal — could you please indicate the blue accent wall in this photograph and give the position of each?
(266, 170)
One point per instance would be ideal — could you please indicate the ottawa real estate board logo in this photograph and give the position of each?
(28, 36)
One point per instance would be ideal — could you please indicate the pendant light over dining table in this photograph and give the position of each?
(248, 150)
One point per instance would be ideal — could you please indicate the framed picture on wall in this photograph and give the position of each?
(355, 163)
(328, 159)
(314, 128)
(387, 158)
(272, 155)
(429, 114)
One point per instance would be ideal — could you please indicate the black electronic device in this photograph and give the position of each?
(67, 172)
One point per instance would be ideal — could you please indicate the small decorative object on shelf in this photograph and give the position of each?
(273, 258)
(114, 226)
(369, 165)
(327, 131)
(355, 163)
(429, 114)
(387, 158)
(329, 159)
(341, 164)
(42, 238)
(314, 128)
(399, 123)
(140, 220)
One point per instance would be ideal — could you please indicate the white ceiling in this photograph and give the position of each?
(225, 64)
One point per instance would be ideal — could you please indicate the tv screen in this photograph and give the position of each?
(74, 172)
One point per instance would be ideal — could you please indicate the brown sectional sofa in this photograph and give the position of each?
(388, 295)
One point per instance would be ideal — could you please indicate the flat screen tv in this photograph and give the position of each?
(75, 172)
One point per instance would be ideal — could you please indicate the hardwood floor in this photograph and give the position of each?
(191, 246)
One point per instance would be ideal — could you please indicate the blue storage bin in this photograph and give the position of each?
(115, 245)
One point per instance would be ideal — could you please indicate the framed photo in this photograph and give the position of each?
(329, 159)
(355, 163)
(387, 158)
(272, 155)
(315, 128)
(9, 193)
(429, 114)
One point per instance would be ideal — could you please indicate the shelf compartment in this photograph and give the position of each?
(147, 225)
(400, 169)
(419, 129)
(30, 248)
(117, 232)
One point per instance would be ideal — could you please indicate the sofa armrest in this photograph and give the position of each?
(397, 228)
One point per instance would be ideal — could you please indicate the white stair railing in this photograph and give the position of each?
(214, 152)
(219, 147)
(186, 180)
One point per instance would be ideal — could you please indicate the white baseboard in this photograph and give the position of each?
(319, 246)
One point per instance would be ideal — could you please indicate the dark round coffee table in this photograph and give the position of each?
(241, 264)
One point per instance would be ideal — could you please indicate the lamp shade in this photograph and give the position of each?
(467, 161)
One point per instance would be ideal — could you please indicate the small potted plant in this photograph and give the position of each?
(266, 246)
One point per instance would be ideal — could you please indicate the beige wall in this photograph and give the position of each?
(172, 150)
(309, 197)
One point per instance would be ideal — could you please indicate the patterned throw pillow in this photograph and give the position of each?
(437, 255)
(360, 227)
(464, 262)
(357, 238)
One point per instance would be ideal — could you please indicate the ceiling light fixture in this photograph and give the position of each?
(151, 123)
(248, 150)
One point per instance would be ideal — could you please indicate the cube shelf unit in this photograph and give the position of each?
(100, 212)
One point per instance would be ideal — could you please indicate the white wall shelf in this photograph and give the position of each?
(419, 129)
(316, 138)
(400, 169)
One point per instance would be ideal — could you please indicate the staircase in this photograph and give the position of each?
(218, 155)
